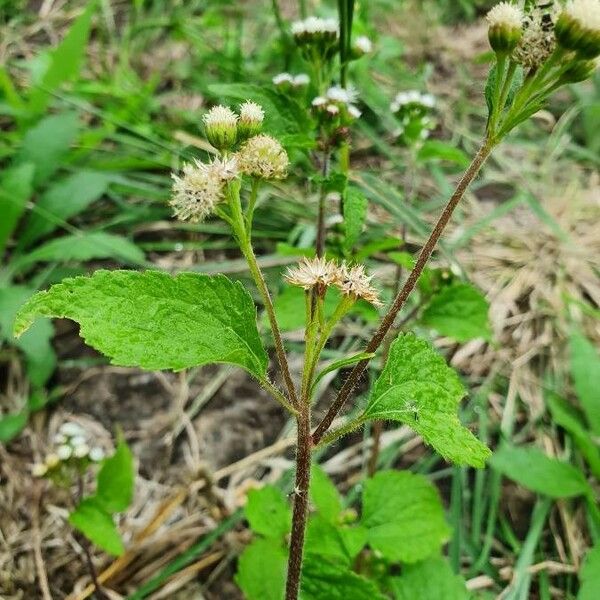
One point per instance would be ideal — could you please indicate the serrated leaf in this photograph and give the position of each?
(590, 576)
(97, 525)
(16, 188)
(116, 480)
(262, 570)
(532, 469)
(324, 495)
(341, 364)
(459, 311)
(268, 512)
(157, 321)
(430, 579)
(403, 515)
(322, 580)
(61, 201)
(417, 388)
(46, 144)
(585, 370)
(355, 213)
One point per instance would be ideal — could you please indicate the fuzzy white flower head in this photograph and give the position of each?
(357, 284)
(363, 44)
(251, 119)
(346, 95)
(39, 470)
(220, 124)
(220, 116)
(64, 452)
(505, 13)
(313, 25)
(78, 440)
(319, 101)
(283, 78)
(578, 28)
(585, 12)
(354, 112)
(96, 454)
(81, 451)
(71, 429)
(332, 109)
(300, 80)
(505, 21)
(264, 157)
(314, 272)
(198, 191)
(412, 97)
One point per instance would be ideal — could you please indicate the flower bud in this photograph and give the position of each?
(578, 28)
(283, 81)
(505, 22)
(251, 120)
(579, 70)
(220, 124)
(362, 45)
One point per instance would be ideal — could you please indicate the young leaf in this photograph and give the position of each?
(534, 470)
(417, 388)
(97, 525)
(430, 579)
(590, 576)
(355, 212)
(324, 495)
(16, 187)
(116, 480)
(262, 570)
(403, 515)
(585, 370)
(268, 512)
(459, 311)
(157, 321)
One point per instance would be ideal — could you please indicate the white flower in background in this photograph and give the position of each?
(96, 454)
(347, 95)
(319, 101)
(264, 157)
(283, 78)
(363, 44)
(354, 112)
(412, 98)
(64, 452)
(39, 470)
(81, 451)
(314, 25)
(332, 109)
(52, 460)
(71, 429)
(301, 80)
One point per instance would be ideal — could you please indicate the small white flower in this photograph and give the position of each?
(301, 80)
(283, 78)
(81, 451)
(332, 109)
(314, 25)
(357, 284)
(220, 116)
(505, 14)
(52, 460)
(354, 112)
(96, 454)
(319, 101)
(59, 438)
(70, 429)
(39, 470)
(64, 452)
(312, 272)
(363, 44)
(251, 111)
(347, 95)
(78, 440)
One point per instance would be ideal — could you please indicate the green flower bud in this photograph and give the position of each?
(505, 27)
(251, 120)
(579, 70)
(221, 124)
(578, 28)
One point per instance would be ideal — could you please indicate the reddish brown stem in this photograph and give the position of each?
(405, 292)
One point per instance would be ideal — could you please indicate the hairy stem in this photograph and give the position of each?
(320, 243)
(300, 514)
(387, 321)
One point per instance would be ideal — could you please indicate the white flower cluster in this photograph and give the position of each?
(412, 98)
(288, 80)
(72, 447)
(363, 45)
(315, 25)
(338, 100)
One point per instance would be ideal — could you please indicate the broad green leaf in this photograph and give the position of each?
(322, 580)
(66, 60)
(82, 247)
(12, 425)
(336, 542)
(268, 512)
(403, 515)
(564, 414)
(341, 364)
(16, 187)
(459, 311)
(417, 388)
(157, 321)
(97, 525)
(324, 494)
(532, 469)
(585, 370)
(262, 570)
(46, 144)
(439, 150)
(590, 576)
(116, 480)
(61, 201)
(40, 358)
(355, 213)
(430, 579)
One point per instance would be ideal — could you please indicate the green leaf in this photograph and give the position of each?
(61, 201)
(116, 480)
(268, 512)
(66, 60)
(355, 213)
(590, 576)
(404, 516)
(417, 388)
(564, 415)
(322, 580)
(438, 150)
(262, 570)
(46, 144)
(324, 495)
(157, 321)
(341, 364)
(532, 469)
(459, 311)
(585, 370)
(12, 425)
(40, 358)
(430, 579)
(324, 539)
(16, 187)
(82, 247)
(97, 525)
